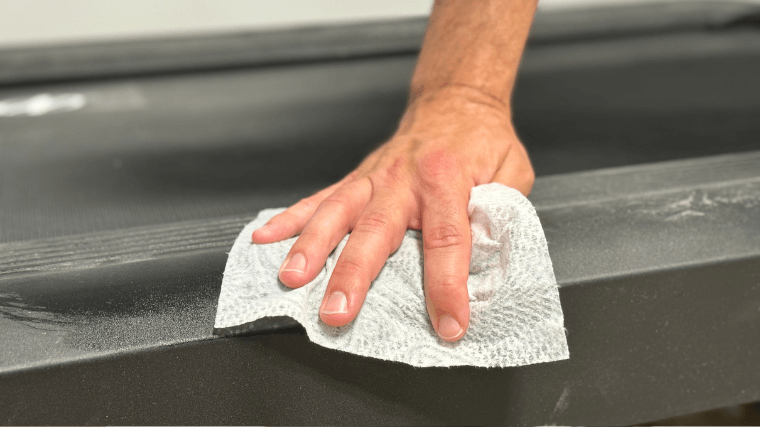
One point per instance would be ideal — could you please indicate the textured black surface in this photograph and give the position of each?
(155, 150)
(633, 358)
(339, 42)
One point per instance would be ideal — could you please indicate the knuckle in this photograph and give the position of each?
(395, 173)
(310, 236)
(527, 175)
(446, 285)
(304, 207)
(529, 178)
(336, 204)
(443, 236)
(438, 168)
(373, 222)
(348, 267)
(351, 176)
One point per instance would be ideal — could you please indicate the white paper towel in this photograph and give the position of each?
(516, 317)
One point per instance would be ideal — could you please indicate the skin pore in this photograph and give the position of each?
(456, 133)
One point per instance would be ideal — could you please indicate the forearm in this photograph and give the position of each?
(475, 44)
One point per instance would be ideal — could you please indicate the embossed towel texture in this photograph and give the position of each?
(516, 317)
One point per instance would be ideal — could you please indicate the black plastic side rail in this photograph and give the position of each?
(24, 65)
(659, 272)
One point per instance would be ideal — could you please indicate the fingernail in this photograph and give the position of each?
(336, 304)
(448, 328)
(297, 263)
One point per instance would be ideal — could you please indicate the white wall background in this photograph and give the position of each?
(39, 22)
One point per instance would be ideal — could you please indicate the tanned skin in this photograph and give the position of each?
(456, 133)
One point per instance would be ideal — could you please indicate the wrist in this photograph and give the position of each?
(453, 103)
(463, 91)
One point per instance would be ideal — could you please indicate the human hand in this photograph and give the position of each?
(448, 141)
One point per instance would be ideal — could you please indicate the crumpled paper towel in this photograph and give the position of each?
(516, 317)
